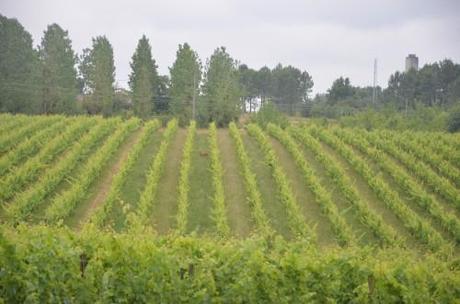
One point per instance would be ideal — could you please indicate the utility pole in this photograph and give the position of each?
(374, 90)
(194, 93)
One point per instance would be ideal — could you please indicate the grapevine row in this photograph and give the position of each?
(418, 226)
(297, 223)
(451, 140)
(371, 219)
(26, 173)
(54, 265)
(437, 183)
(100, 215)
(64, 204)
(250, 182)
(10, 123)
(29, 146)
(445, 151)
(404, 180)
(184, 182)
(11, 139)
(219, 211)
(339, 226)
(147, 198)
(436, 162)
(25, 202)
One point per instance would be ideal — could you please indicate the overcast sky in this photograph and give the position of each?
(327, 38)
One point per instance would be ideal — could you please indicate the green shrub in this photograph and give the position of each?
(453, 121)
(268, 113)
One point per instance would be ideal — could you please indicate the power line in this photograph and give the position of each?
(374, 90)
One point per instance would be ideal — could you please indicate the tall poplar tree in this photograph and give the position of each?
(98, 72)
(143, 79)
(222, 93)
(185, 83)
(18, 69)
(58, 73)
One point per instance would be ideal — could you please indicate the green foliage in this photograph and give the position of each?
(143, 79)
(57, 73)
(27, 201)
(184, 183)
(371, 219)
(290, 87)
(18, 69)
(100, 216)
(219, 210)
(98, 73)
(221, 100)
(147, 199)
(453, 121)
(250, 180)
(12, 139)
(340, 90)
(421, 119)
(64, 204)
(30, 146)
(339, 225)
(162, 102)
(300, 229)
(269, 113)
(41, 264)
(412, 143)
(419, 227)
(185, 83)
(433, 85)
(412, 189)
(18, 179)
(437, 183)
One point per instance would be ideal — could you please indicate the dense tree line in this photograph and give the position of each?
(54, 79)
(435, 84)
(285, 86)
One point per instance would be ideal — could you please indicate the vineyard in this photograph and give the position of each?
(132, 211)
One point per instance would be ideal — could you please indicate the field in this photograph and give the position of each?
(318, 214)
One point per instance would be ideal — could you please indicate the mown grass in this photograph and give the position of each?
(238, 209)
(201, 189)
(304, 196)
(81, 211)
(164, 211)
(275, 210)
(135, 181)
(66, 183)
(367, 195)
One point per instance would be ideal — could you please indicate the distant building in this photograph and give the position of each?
(411, 62)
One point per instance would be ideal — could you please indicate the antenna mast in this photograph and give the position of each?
(374, 87)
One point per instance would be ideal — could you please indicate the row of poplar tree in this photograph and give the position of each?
(53, 79)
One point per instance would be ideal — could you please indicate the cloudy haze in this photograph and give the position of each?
(327, 38)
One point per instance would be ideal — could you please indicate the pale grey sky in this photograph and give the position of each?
(327, 38)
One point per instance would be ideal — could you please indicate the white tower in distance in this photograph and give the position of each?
(411, 62)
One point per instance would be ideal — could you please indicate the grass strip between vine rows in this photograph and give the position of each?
(341, 229)
(147, 198)
(374, 221)
(254, 198)
(99, 217)
(64, 204)
(297, 223)
(26, 173)
(419, 227)
(25, 202)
